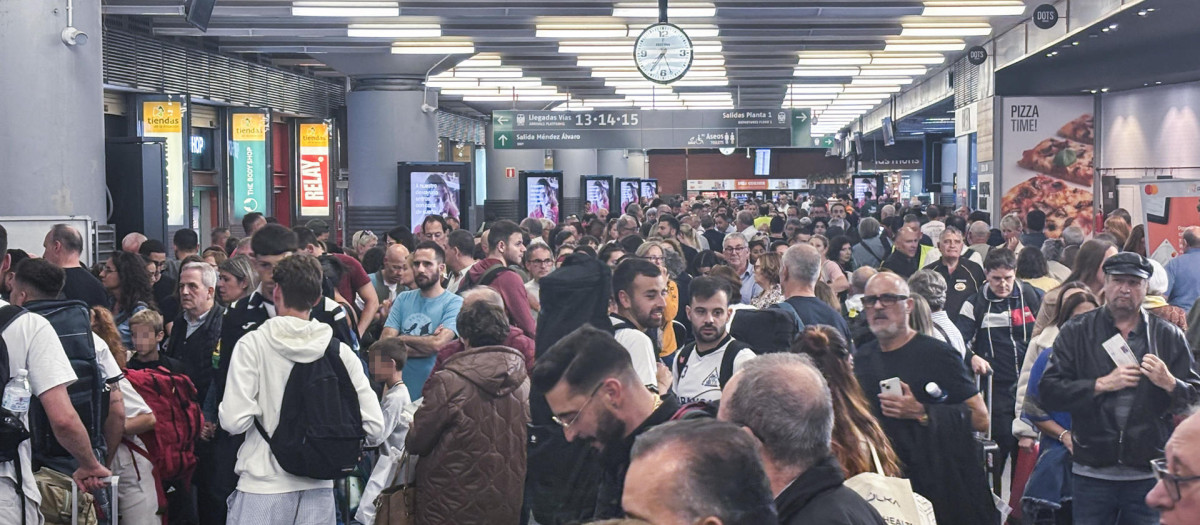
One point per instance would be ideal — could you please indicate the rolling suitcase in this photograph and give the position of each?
(991, 458)
(111, 519)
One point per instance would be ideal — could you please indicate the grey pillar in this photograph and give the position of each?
(52, 143)
(574, 163)
(503, 193)
(386, 125)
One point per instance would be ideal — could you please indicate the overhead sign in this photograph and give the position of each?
(977, 55)
(904, 155)
(746, 184)
(314, 169)
(248, 158)
(165, 120)
(651, 129)
(1045, 16)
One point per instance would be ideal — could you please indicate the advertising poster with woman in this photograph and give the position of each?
(649, 189)
(629, 193)
(542, 197)
(433, 193)
(598, 194)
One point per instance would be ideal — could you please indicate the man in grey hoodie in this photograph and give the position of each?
(258, 375)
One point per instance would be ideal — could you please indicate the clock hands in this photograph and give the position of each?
(661, 56)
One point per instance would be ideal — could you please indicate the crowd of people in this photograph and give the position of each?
(689, 360)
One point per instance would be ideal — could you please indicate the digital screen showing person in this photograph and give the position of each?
(433, 194)
(629, 193)
(542, 200)
(598, 195)
(649, 189)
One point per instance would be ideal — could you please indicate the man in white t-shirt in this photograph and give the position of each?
(640, 296)
(32, 345)
(702, 368)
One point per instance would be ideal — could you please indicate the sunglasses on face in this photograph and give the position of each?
(883, 300)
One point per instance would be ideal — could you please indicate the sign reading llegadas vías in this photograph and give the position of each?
(164, 119)
(248, 159)
(314, 169)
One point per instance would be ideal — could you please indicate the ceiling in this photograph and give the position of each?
(841, 57)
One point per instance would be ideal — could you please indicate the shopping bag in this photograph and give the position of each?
(893, 498)
(396, 504)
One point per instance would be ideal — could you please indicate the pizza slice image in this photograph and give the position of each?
(1062, 158)
(1063, 204)
(1082, 129)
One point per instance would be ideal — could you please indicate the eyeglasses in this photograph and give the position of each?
(1170, 481)
(734, 249)
(884, 300)
(574, 418)
(655, 260)
(541, 262)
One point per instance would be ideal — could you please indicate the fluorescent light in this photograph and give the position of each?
(844, 61)
(814, 90)
(433, 48)
(701, 83)
(904, 60)
(649, 10)
(518, 98)
(872, 89)
(880, 81)
(627, 61)
(892, 71)
(989, 8)
(573, 108)
(611, 48)
(346, 9)
(862, 96)
(826, 72)
(946, 30)
(633, 73)
(924, 45)
(393, 31)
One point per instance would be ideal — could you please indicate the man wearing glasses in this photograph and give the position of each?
(737, 256)
(539, 262)
(1122, 374)
(1176, 496)
(923, 415)
(598, 399)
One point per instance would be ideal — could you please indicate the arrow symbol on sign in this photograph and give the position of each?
(802, 117)
(503, 140)
(502, 120)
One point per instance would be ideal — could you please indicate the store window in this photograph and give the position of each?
(201, 144)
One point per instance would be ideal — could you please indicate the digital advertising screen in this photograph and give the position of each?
(740, 196)
(629, 191)
(434, 189)
(649, 189)
(597, 193)
(541, 194)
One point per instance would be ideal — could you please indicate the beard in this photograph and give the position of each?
(717, 331)
(425, 282)
(648, 320)
(609, 431)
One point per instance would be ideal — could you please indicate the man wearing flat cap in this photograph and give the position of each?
(321, 229)
(1122, 374)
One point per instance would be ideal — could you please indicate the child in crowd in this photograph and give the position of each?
(387, 358)
(146, 331)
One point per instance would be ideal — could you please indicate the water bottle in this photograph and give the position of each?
(17, 394)
(935, 392)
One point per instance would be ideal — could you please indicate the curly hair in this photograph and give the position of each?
(134, 281)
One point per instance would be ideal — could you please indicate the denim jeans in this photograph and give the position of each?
(1103, 502)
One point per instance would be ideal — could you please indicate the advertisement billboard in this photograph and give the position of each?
(1046, 163)
(248, 162)
(629, 190)
(597, 193)
(541, 195)
(648, 189)
(167, 120)
(315, 185)
(1168, 208)
(433, 189)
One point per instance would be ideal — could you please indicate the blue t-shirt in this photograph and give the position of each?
(414, 314)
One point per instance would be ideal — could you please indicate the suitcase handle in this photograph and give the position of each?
(112, 481)
(978, 385)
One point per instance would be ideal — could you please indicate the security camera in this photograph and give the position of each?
(74, 37)
(427, 108)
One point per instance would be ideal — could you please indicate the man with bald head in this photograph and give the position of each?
(1176, 496)
(387, 280)
(132, 243)
(517, 339)
(784, 401)
(1183, 272)
(977, 237)
(798, 274)
(63, 246)
(929, 392)
(908, 255)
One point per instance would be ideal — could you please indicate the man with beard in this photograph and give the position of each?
(425, 318)
(931, 435)
(505, 246)
(597, 397)
(1123, 375)
(702, 368)
(640, 296)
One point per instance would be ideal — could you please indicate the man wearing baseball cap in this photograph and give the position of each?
(1122, 374)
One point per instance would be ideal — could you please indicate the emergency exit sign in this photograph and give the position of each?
(510, 173)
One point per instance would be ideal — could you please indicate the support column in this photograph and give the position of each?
(504, 193)
(385, 125)
(574, 163)
(52, 140)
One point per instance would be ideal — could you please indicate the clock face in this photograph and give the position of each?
(663, 53)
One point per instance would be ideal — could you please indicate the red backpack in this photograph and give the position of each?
(171, 445)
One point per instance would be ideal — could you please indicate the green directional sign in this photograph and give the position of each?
(801, 128)
(503, 139)
(822, 141)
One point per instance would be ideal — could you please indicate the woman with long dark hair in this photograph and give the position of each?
(841, 251)
(856, 432)
(1087, 269)
(125, 277)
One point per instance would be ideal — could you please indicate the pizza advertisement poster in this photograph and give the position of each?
(1047, 162)
(1168, 207)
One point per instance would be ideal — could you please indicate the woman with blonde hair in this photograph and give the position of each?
(856, 432)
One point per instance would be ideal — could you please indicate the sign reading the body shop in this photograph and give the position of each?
(163, 119)
(248, 157)
(314, 169)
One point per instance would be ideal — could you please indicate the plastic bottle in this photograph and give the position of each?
(935, 392)
(17, 393)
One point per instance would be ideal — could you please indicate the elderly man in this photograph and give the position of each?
(1183, 272)
(929, 399)
(977, 237)
(961, 276)
(909, 254)
(697, 471)
(387, 280)
(798, 275)
(737, 256)
(198, 326)
(132, 243)
(745, 224)
(784, 401)
(63, 247)
(1176, 496)
(1122, 374)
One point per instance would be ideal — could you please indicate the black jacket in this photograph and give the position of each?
(1070, 380)
(819, 497)
(195, 353)
(999, 329)
(614, 462)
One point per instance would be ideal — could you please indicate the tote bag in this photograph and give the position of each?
(893, 498)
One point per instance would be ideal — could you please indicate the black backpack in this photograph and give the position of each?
(489, 276)
(72, 321)
(12, 430)
(320, 434)
(768, 330)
